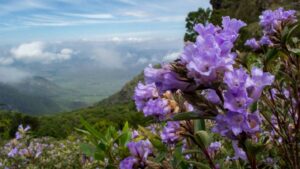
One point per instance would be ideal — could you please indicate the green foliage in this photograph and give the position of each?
(199, 16)
(63, 124)
(107, 145)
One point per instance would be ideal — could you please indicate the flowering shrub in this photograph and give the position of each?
(26, 152)
(215, 107)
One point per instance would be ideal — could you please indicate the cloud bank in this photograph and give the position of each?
(36, 52)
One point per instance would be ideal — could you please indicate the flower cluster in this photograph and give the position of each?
(27, 152)
(214, 148)
(242, 91)
(165, 79)
(152, 102)
(210, 56)
(21, 131)
(272, 22)
(16, 148)
(149, 101)
(139, 153)
(171, 132)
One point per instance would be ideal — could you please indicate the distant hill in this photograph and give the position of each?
(37, 96)
(125, 94)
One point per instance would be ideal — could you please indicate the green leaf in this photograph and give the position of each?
(90, 128)
(158, 144)
(99, 155)
(199, 124)
(146, 132)
(291, 31)
(102, 146)
(271, 55)
(83, 131)
(203, 138)
(88, 149)
(201, 165)
(187, 116)
(254, 149)
(124, 138)
(126, 127)
(160, 157)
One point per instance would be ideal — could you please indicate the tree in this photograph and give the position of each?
(193, 18)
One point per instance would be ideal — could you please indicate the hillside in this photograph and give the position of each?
(12, 99)
(124, 95)
(37, 96)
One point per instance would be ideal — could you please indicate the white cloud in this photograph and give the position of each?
(12, 75)
(142, 61)
(91, 15)
(119, 39)
(108, 58)
(36, 52)
(138, 14)
(171, 56)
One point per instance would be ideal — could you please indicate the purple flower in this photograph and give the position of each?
(134, 134)
(170, 133)
(157, 107)
(235, 122)
(265, 40)
(258, 81)
(237, 100)
(253, 123)
(143, 93)
(273, 20)
(18, 135)
(13, 152)
(232, 25)
(141, 149)
(208, 29)
(128, 163)
(214, 147)
(212, 96)
(231, 28)
(222, 126)
(210, 56)
(252, 43)
(21, 131)
(23, 152)
(236, 79)
(164, 78)
(238, 152)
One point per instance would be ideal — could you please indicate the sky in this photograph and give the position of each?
(60, 20)
(91, 46)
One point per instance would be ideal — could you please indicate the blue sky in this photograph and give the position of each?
(60, 20)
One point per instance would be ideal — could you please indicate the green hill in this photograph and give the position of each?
(37, 96)
(13, 99)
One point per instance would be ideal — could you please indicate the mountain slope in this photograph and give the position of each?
(124, 95)
(37, 96)
(12, 99)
